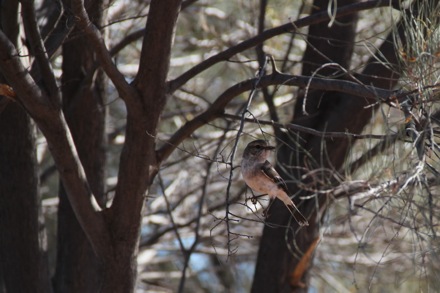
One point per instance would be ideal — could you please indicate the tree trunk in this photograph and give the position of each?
(278, 266)
(78, 269)
(23, 244)
(120, 273)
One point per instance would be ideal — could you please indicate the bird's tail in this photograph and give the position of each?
(296, 214)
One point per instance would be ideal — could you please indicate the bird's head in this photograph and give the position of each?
(258, 149)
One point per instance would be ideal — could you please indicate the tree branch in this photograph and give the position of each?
(133, 36)
(154, 60)
(50, 120)
(322, 134)
(285, 28)
(217, 108)
(59, 33)
(124, 89)
(138, 160)
(38, 50)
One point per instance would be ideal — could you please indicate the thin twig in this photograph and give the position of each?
(191, 250)
(234, 150)
(323, 134)
(268, 34)
(124, 89)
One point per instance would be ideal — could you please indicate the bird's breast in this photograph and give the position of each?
(258, 182)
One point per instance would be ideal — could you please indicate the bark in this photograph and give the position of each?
(144, 100)
(279, 267)
(78, 269)
(113, 233)
(23, 243)
(138, 158)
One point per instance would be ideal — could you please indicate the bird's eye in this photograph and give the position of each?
(258, 146)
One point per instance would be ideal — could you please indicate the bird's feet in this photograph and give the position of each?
(254, 198)
(266, 213)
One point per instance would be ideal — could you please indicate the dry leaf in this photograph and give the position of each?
(303, 265)
(7, 91)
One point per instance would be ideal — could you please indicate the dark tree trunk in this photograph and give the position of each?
(278, 266)
(23, 245)
(78, 269)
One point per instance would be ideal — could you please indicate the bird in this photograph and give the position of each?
(261, 177)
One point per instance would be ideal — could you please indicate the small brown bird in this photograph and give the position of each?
(261, 176)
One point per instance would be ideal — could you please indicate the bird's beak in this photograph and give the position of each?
(269, 147)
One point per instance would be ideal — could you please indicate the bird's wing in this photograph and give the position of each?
(272, 174)
(269, 171)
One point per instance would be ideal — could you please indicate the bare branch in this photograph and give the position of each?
(323, 134)
(50, 120)
(59, 33)
(133, 36)
(217, 108)
(138, 161)
(38, 50)
(125, 90)
(154, 61)
(127, 40)
(285, 28)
